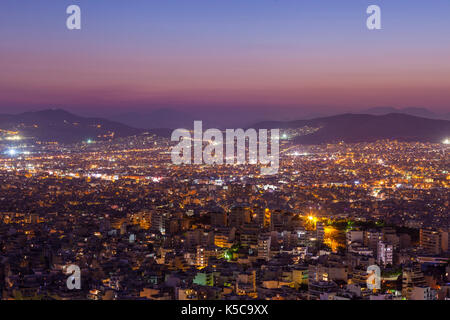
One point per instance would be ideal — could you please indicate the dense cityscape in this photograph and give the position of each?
(224, 159)
(139, 227)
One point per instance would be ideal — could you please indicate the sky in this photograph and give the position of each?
(255, 55)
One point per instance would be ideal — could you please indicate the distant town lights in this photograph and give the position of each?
(14, 138)
(11, 152)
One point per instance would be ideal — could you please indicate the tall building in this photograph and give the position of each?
(354, 236)
(159, 221)
(205, 278)
(300, 276)
(431, 241)
(445, 240)
(412, 277)
(385, 253)
(317, 288)
(320, 231)
(239, 216)
(422, 293)
(246, 284)
(359, 276)
(201, 257)
(218, 219)
(249, 236)
(371, 239)
(264, 241)
(222, 239)
(328, 272)
(261, 217)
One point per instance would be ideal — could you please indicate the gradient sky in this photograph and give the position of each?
(144, 54)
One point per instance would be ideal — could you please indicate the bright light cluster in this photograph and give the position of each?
(11, 152)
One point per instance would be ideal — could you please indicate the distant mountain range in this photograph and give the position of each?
(418, 112)
(242, 117)
(365, 128)
(65, 127)
(62, 126)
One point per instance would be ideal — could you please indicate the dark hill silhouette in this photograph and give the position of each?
(366, 128)
(62, 126)
(65, 127)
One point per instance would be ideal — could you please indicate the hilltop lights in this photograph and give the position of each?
(11, 152)
(311, 222)
(298, 154)
(14, 138)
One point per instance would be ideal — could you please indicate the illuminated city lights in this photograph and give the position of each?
(335, 187)
(14, 138)
(211, 217)
(11, 152)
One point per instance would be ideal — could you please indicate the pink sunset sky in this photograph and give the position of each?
(289, 54)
